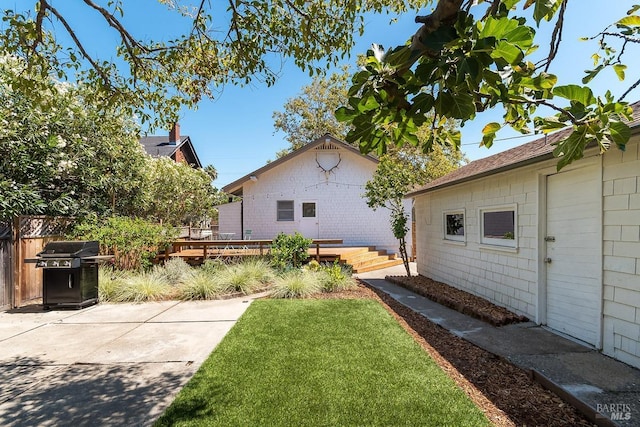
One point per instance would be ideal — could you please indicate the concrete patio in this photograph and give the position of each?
(109, 364)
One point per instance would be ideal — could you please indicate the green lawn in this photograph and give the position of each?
(324, 363)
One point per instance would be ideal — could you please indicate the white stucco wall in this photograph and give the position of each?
(621, 193)
(502, 275)
(342, 211)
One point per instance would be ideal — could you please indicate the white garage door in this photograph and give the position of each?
(574, 253)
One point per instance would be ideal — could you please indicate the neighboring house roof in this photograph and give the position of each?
(160, 146)
(236, 185)
(525, 154)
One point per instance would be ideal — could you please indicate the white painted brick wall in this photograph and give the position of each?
(341, 209)
(622, 253)
(507, 278)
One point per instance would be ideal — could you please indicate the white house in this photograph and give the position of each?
(562, 248)
(316, 190)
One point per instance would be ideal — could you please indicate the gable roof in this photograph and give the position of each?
(529, 153)
(326, 139)
(159, 146)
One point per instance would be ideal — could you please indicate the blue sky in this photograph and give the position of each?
(235, 131)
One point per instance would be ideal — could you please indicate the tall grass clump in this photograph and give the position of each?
(297, 284)
(203, 285)
(110, 283)
(247, 277)
(175, 271)
(145, 286)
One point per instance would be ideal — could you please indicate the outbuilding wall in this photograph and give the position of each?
(342, 211)
(505, 276)
(621, 192)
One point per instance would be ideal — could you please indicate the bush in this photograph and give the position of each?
(336, 277)
(296, 284)
(289, 251)
(133, 242)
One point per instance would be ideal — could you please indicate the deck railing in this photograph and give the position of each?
(221, 248)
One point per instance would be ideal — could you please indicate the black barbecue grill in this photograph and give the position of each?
(70, 273)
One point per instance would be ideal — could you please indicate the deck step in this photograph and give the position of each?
(369, 260)
(381, 265)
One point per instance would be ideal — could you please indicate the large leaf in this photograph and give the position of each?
(620, 132)
(455, 106)
(581, 94)
(571, 148)
(545, 9)
(630, 21)
(507, 51)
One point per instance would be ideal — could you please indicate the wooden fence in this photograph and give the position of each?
(24, 238)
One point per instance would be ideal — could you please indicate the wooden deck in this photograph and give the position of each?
(361, 258)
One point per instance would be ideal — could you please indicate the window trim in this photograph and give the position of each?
(454, 237)
(497, 242)
(280, 210)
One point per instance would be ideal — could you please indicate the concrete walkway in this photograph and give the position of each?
(597, 383)
(109, 364)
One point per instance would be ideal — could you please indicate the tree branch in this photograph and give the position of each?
(106, 79)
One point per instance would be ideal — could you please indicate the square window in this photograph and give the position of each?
(454, 226)
(498, 226)
(285, 210)
(308, 209)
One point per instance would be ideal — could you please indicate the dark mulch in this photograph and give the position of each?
(458, 300)
(506, 393)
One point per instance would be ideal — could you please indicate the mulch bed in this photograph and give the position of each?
(505, 393)
(457, 299)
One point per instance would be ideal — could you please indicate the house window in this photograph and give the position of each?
(454, 226)
(285, 210)
(498, 226)
(308, 210)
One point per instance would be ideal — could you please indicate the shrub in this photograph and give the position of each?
(289, 251)
(202, 285)
(296, 284)
(134, 242)
(336, 277)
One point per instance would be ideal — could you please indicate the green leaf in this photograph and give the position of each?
(455, 106)
(492, 127)
(368, 103)
(581, 94)
(571, 148)
(620, 132)
(619, 69)
(545, 9)
(507, 51)
(344, 114)
(543, 81)
(630, 21)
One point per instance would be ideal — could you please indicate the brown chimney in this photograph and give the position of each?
(174, 134)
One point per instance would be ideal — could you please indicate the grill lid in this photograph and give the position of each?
(70, 249)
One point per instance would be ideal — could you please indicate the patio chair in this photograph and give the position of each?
(247, 236)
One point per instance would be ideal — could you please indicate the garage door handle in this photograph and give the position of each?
(547, 260)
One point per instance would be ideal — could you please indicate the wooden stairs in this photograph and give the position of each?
(368, 259)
